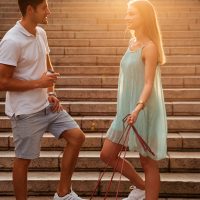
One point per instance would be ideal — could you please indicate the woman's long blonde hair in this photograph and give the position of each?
(151, 26)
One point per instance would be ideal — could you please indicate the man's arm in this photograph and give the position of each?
(50, 67)
(8, 83)
(53, 98)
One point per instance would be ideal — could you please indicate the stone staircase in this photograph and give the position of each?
(87, 40)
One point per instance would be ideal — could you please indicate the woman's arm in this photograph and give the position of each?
(150, 58)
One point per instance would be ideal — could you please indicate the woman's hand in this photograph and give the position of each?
(56, 106)
(133, 117)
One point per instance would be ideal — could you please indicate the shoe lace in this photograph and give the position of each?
(75, 196)
(133, 190)
(132, 187)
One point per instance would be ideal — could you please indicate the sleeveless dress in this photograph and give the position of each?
(151, 122)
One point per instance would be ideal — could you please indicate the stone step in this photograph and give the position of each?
(105, 27)
(85, 108)
(106, 3)
(90, 161)
(95, 198)
(40, 198)
(163, 28)
(94, 141)
(162, 20)
(102, 123)
(166, 70)
(118, 50)
(108, 94)
(94, 6)
(104, 14)
(172, 184)
(115, 35)
(103, 20)
(118, 42)
(180, 142)
(112, 82)
(111, 60)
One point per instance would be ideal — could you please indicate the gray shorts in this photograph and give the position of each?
(28, 130)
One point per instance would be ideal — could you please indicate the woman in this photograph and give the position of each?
(140, 94)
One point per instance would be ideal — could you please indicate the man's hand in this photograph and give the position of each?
(56, 106)
(48, 80)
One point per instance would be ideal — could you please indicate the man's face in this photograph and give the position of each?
(39, 15)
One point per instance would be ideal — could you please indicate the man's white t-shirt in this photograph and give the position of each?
(27, 53)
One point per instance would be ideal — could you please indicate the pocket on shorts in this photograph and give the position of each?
(13, 122)
(64, 111)
(26, 116)
(22, 117)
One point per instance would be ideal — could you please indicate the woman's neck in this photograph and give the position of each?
(141, 37)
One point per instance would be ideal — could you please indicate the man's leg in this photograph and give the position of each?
(75, 138)
(20, 170)
(28, 130)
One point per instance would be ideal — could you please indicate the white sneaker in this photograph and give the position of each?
(71, 196)
(135, 194)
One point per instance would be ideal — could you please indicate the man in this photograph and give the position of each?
(31, 102)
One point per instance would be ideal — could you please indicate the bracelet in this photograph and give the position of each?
(52, 94)
(141, 102)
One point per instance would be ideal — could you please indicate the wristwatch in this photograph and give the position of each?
(52, 94)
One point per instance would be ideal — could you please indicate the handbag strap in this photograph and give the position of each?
(142, 142)
(126, 132)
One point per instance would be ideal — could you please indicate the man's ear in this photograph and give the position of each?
(29, 10)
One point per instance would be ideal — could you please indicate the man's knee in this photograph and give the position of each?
(80, 138)
(74, 136)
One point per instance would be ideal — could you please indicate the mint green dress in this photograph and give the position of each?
(151, 122)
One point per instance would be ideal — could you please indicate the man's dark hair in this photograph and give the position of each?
(23, 4)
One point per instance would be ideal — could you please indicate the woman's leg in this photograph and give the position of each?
(152, 177)
(110, 152)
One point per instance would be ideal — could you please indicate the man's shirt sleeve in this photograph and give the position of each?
(9, 52)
